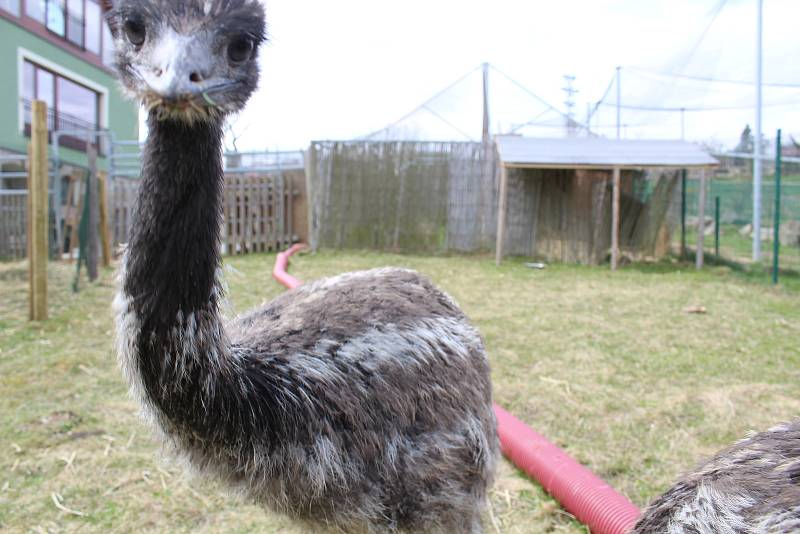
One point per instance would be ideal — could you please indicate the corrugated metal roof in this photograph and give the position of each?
(600, 153)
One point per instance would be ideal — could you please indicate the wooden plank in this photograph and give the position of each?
(701, 222)
(615, 218)
(240, 216)
(501, 215)
(38, 192)
(290, 195)
(105, 237)
(263, 210)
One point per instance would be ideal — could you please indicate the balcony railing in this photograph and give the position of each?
(64, 121)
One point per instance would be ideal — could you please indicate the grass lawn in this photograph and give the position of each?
(608, 365)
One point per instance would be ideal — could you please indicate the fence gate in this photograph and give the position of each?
(13, 206)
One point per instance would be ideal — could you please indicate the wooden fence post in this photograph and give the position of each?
(615, 219)
(38, 212)
(105, 237)
(501, 215)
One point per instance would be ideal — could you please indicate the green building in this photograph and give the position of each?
(60, 51)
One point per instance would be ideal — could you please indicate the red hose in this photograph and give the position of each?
(580, 492)
(282, 263)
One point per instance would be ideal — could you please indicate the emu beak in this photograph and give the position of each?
(181, 72)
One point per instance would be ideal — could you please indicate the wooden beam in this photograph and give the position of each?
(701, 222)
(38, 214)
(105, 236)
(501, 215)
(615, 219)
(583, 167)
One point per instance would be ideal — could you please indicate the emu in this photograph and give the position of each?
(360, 402)
(751, 487)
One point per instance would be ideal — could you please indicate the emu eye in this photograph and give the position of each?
(135, 32)
(240, 50)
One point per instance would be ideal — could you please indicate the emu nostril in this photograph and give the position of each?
(195, 77)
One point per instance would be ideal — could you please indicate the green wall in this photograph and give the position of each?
(122, 114)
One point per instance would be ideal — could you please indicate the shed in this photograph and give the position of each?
(582, 168)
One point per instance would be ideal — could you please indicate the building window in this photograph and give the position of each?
(10, 6)
(56, 17)
(78, 21)
(93, 21)
(108, 47)
(70, 105)
(75, 22)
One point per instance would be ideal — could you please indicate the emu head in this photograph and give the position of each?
(188, 60)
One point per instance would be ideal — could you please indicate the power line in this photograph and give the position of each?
(703, 35)
(531, 122)
(424, 106)
(709, 108)
(602, 99)
(534, 95)
(447, 122)
(712, 80)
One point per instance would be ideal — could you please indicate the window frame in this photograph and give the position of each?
(43, 24)
(24, 55)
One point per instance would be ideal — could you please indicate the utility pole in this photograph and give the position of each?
(757, 163)
(486, 138)
(570, 104)
(619, 102)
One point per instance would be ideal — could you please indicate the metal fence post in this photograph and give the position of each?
(716, 226)
(683, 214)
(776, 237)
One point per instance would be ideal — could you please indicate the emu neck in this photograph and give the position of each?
(173, 252)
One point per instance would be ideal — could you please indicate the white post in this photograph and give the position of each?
(757, 163)
(619, 102)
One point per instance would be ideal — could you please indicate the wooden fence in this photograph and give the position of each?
(262, 213)
(258, 211)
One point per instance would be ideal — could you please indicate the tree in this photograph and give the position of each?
(746, 142)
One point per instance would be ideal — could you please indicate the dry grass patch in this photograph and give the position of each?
(609, 366)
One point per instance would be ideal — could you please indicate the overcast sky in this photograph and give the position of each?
(342, 69)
